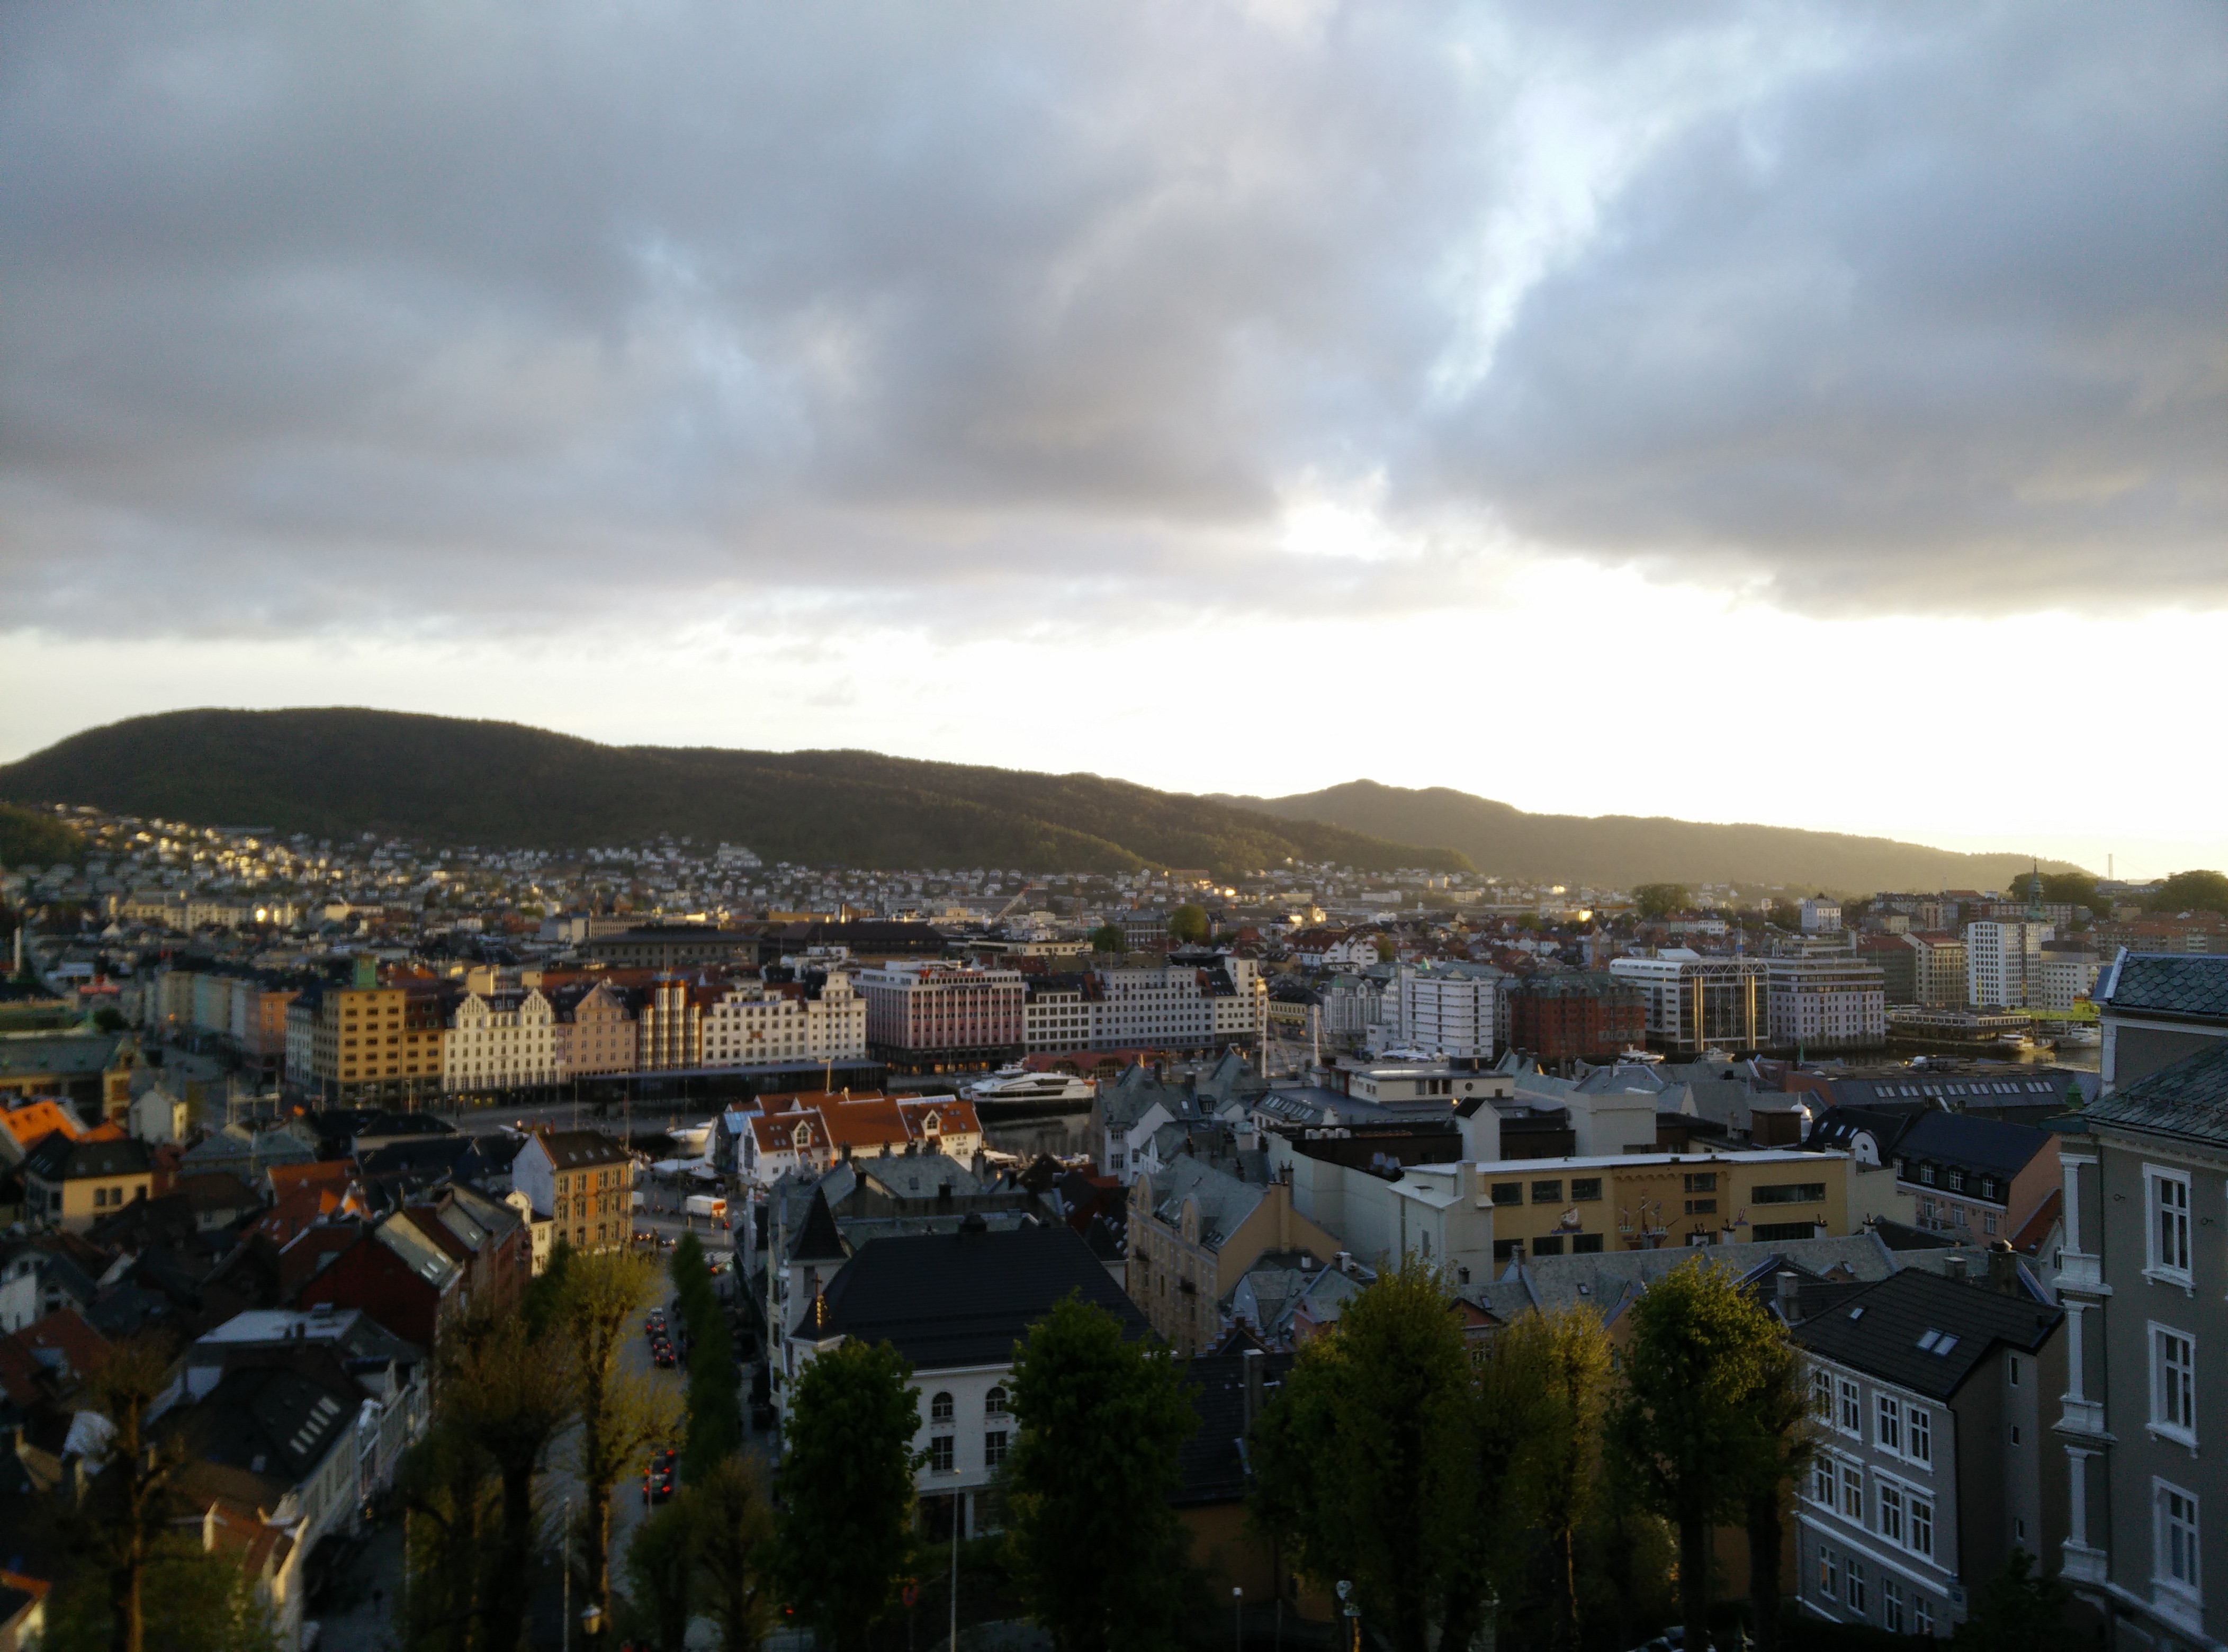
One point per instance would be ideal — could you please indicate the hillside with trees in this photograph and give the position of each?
(451, 782)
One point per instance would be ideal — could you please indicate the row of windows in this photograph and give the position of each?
(1583, 1190)
(1842, 1580)
(1899, 1428)
(1901, 1514)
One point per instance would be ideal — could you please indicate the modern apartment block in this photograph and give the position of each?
(1938, 977)
(1447, 1009)
(2144, 1420)
(2003, 962)
(378, 1043)
(928, 1014)
(1818, 1003)
(1696, 1003)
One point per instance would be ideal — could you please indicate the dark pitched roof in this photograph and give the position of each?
(2171, 984)
(1880, 1329)
(2188, 1099)
(276, 1419)
(1991, 1144)
(571, 1149)
(819, 1239)
(59, 1159)
(967, 1298)
(1213, 1461)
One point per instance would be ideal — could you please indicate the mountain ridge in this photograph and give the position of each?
(1621, 850)
(339, 771)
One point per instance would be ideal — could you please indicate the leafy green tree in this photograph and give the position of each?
(846, 1533)
(452, 1501)
(661, 1565)
(1778, 1410)
(127, 1511)
(1558, 1365)
(1380, 1464)
(2019, 1611)
(2071, 889)
(621, 1413)
(1653, 900)
(1188, 925)
(1095, 1547)
(509, 1393)
(715, 1413)
(1108, 938)
(2192, 891)
(197, 1601)
(734, 1547)
(1699, 1349)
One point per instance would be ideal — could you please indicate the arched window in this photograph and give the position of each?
(994, 1403)
(939, 1408)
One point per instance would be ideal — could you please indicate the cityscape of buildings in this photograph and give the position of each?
(309, 1105)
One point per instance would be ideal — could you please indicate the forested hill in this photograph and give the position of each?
(450, 781)
(1622, 850)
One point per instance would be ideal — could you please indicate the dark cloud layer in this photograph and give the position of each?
(463, 313)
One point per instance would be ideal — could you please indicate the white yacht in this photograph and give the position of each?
(1011, 1084)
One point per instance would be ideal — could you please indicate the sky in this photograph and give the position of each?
(1808, 415)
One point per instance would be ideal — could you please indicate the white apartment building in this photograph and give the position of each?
(1055, 1016)
(1938, 975)
(1697, 1004)
(2065, 974)
(1821, 916)
(1161, 1008)
(1447, 1011)
(1825, 1004)
(2003, 962)
(500, 1041)
(754, 1024)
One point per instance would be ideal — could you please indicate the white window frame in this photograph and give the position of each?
(1822, 1480)
(1852, 1503)
(1892, 1604)
(2169, 1397)
(1887, 1502)
(1918, 1512)
(2190, 1589)
(1849, 1408)
(1917, 1432)
(2161, 1265)
(1922, 1612)
(1887, 1422)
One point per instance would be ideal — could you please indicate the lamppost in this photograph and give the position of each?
(1353, 1615)
(1238, 1619)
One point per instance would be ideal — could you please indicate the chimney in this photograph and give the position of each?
(1255, 1365)
(1791, 1310)
(1953, 1266)
(1345, 1262)
(2003, 1269)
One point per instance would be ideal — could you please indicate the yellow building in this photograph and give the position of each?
(71, 1184)
(1195, 1229)
(378, 1045)
(1559, 1207)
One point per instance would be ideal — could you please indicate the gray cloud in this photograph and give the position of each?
(464, 314)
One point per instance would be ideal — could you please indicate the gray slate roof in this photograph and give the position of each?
(2171, 984)
(1224, 1200)
(2189, 1099)
(1610, 1280)
(1991, 1144)
(1881, 1330)
(967, 1298)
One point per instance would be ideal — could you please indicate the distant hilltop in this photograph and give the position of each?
(1619, 851)
(450, 781)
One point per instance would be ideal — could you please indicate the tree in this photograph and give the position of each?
(1188, 925)
(845, 1534)
(2019, 1611)
(1109, 937)
(2071, 889)
(661, 1565)
(1387, 948)
(197, 1601)
(1558, 1365)
(1376, 1464)
(734, 1540)
(1653, 900)
(1699, 1344)
(621, 1413)
(1095, 1547)
(509, 1393)
(2191, 891)
(126, 1510)
(715, 1413)
(451, 1497)
(1778, 1409)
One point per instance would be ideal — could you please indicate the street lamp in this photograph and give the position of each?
(1238, 1619)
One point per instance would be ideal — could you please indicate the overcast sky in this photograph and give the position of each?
(1806, 414)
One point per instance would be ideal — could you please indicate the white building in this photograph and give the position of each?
(2003, 962)
(1447, 1010)
(1826, 1004)
(1056, 1016)
(1821, 916)
(2065, 973)
(754, 1024)
(500, 1041)
(1697, 1004)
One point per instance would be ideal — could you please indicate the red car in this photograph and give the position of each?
(657, 1484)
